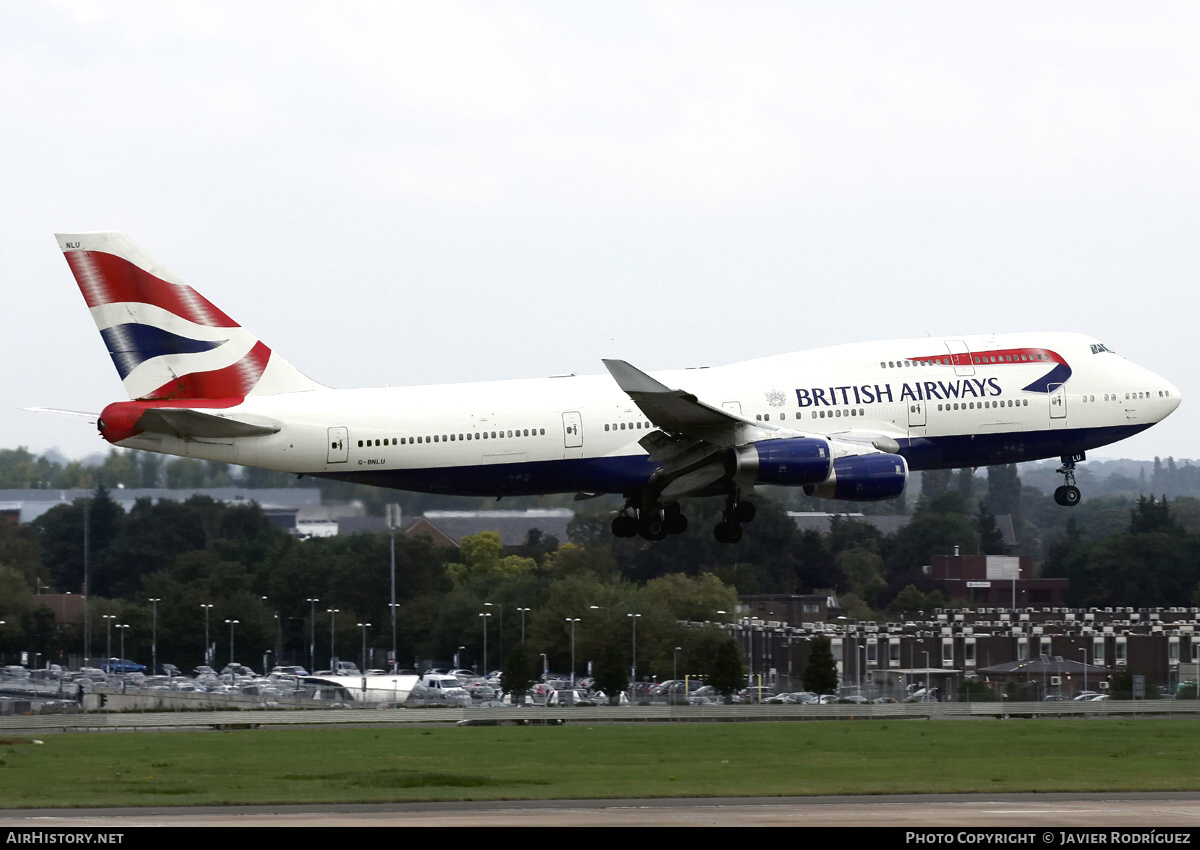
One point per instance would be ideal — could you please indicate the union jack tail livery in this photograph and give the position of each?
(167, 341)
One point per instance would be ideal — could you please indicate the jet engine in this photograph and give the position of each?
(789, 462)
(863, 478)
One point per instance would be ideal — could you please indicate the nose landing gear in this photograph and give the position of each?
(1068, 495)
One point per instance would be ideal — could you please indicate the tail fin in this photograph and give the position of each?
(166, 340)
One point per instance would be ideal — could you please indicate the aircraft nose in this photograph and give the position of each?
(1173, 395)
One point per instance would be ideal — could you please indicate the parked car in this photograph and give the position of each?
(292, 670)
(123, 665)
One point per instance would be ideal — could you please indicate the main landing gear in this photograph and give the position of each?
(651, 522)
(729, 529)
(1068, 495)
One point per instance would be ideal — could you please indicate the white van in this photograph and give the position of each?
(445, 688)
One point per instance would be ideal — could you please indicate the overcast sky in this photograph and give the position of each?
(433, 192)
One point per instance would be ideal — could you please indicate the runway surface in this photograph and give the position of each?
(1177, 809)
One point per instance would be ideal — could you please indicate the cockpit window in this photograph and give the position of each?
(1098, 347)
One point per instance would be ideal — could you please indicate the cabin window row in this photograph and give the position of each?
(980, 405)
(450, 438)
(838, 413)
(631, 426)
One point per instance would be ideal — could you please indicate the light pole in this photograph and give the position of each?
(926, 654)
(87, 623)
(523, 611)
(458, 657)
(332, 657)
(108, 646)
(312, 634)
(122, 627)
(364, 627)
(911, 648)
(484, 617)
(572, 621)
(395, 660)
(675, 664)
(1083, 649)
(393, 520)
(154, 637)
(207, 660)
(633, 618)
(501, 624)
(231, 624)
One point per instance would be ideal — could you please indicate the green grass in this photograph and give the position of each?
(635, 760)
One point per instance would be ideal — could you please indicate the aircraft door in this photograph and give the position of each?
(339, 445)
(960, 356)
(572, 430)
(1058, 405)
(733, 407)
(916, 414)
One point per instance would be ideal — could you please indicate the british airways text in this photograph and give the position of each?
(916, 391)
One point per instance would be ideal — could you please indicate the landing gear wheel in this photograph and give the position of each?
(1068, 495)
(744, 512)
(624, 526)
(675, 521)
(652, 528)
(727, 532)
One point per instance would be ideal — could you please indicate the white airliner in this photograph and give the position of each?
(845, 422)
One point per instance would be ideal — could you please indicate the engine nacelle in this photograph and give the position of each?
(863, 478)
(789, 462)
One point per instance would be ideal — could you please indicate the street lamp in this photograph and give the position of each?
(108, 646)
(312, 634)
(206, 608)
(122, 627)
(332, 657)
(154, 637)
(484, 617)
(523, 611)
(231, 624)
(395, 660)
(911, 648)
(572, 621)
(501, 623)
(364, 627)
(633, 618)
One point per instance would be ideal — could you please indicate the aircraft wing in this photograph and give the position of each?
(677, 411)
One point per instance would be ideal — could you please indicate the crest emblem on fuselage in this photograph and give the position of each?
(775, 398)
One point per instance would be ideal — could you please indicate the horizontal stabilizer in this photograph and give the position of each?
(84, 413)
(196, 424)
